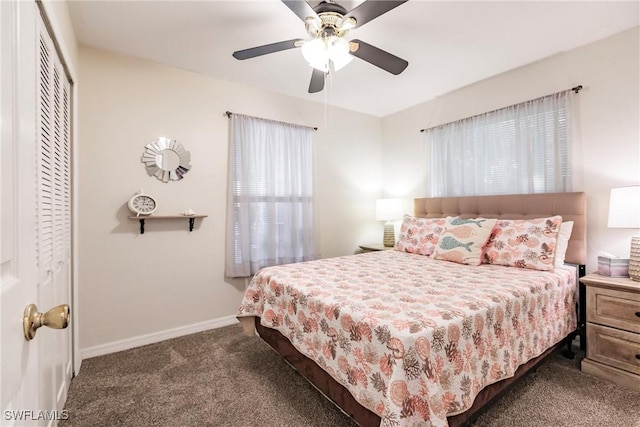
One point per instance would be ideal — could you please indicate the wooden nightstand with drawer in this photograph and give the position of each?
(613, 329)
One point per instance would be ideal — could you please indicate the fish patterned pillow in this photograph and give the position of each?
(419, 235)
(525, 243)
(462, 240)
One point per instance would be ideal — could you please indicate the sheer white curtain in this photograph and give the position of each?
(524, 148)
(270, 195)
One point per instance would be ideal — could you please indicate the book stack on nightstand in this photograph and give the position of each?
(375, 247)
(613, 329)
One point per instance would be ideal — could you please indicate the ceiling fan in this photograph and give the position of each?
(327, 24)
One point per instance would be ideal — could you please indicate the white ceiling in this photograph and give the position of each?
(449, 44)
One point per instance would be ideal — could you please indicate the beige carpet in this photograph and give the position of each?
(222, 378)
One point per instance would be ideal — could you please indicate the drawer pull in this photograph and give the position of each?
(637, 313)
(638, 356)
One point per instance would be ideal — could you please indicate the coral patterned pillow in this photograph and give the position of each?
(419, 235)
(462, 240)
(529, 243)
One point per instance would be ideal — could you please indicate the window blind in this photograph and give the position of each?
(270, 195)
(524, 148)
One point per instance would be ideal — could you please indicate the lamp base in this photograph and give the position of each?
(634, 259)
(389, 238)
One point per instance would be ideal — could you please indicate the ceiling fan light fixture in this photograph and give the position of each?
(327, 50)
(312, 25)
(337, 47)
(314, 52)
(338, 52)
(320, 53)
(348, 24)
(340, 62)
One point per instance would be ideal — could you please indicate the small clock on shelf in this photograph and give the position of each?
(142, 204)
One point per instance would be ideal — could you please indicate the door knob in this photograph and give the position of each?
(57, 318)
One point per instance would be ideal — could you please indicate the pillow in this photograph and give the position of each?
(462, 240)
(419, 235)
(562, 243)
(525, 243)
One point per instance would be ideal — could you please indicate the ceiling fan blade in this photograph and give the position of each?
(300, 8)
(267, 48)
(371, 9)
(317, 81)
(377, 57)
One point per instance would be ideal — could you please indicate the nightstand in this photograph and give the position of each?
(613, 329)
(375, 247)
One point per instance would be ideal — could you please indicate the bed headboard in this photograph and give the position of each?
(571, 206)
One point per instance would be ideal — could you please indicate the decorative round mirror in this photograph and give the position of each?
(166, 159)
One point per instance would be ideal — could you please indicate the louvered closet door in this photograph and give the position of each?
(53, 239)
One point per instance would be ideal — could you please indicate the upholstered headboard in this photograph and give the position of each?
(571, 206)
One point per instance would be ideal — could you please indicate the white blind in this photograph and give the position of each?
(519, 149)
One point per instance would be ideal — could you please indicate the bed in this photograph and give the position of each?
(397, 338)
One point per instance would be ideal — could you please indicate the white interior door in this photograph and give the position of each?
(34, 375)
(18, 274)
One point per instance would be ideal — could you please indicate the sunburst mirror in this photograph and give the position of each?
(166, 159)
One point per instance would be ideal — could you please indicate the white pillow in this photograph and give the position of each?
(562, 243)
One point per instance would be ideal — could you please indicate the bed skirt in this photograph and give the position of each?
(340, 396)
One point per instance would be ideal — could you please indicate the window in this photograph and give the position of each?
(270, 195)
(519, 149)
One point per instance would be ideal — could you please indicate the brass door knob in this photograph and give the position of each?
(56, 318)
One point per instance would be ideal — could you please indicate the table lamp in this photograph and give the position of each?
(624, 212)
(388, 210)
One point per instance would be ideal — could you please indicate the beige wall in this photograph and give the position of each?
(132, 285)
(609, 155)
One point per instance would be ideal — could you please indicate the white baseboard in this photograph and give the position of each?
(115, 346)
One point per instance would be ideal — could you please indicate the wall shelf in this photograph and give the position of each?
(191, 218)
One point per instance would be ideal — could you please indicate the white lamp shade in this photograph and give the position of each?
(624, 207)
(338, 51)
(315, 53)
(319, 53)
(341, 61)
(388, 209)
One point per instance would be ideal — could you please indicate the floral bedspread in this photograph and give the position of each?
(414, 339)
